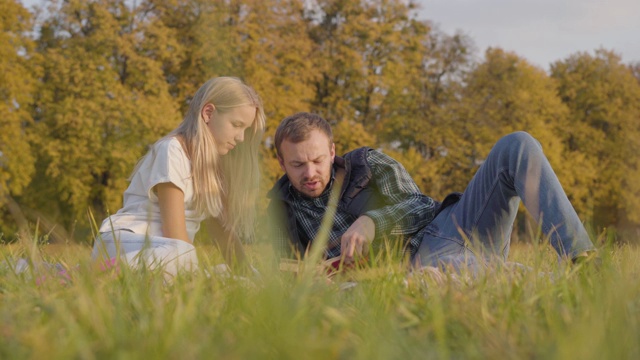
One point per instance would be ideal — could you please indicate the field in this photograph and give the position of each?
(549, 311)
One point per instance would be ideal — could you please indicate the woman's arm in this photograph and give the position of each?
(227, 242)
(172, 212)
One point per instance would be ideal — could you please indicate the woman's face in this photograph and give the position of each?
(228, 128)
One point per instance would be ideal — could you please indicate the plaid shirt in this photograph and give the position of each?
(407, 215)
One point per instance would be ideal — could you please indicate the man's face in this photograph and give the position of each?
(308, 163)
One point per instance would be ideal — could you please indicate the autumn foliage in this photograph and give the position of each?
(87, 85)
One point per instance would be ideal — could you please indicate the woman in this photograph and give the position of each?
(207, 168)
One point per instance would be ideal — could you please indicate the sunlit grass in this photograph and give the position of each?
(550, 311)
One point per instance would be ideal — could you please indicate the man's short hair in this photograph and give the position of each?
(297, 127)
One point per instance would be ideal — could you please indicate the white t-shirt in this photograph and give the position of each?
(140, 212)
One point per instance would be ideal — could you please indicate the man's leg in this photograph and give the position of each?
(515, 169)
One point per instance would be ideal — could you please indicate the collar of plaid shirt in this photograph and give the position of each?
(310, 211)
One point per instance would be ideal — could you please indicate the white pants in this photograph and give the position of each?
(139, 250)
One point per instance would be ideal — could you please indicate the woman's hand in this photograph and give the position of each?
(172, 212)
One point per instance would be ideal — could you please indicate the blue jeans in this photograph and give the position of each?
(478, 227)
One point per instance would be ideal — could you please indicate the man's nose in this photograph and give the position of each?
(309, 170)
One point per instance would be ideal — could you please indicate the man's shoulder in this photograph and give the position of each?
(358, 157)
(358, 151)
(368, 157)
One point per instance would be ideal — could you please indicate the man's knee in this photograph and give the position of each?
(520, 140)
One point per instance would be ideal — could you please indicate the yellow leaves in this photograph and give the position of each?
(16, 90)
(103, 101)
(349, 135)
(108, 79)
(604, 98)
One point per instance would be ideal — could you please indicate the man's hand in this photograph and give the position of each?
(356, 240)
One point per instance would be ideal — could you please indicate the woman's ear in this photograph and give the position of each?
(207, 112)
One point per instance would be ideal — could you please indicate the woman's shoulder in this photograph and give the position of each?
(167, 142)
(169, 145)
(166, 162)
(167, 153)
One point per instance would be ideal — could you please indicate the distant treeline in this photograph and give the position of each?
(87, 85)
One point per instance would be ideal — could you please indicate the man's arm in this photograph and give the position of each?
(409, 210)
(407, 213)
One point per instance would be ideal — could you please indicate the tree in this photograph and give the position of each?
(350, 135)
(418, 117)
(635, 70)
(102, 102)
(506, 94)
(17, 85)
(427, 83)
(206, 42)
(356, 43)
(383, 68)
(279, 64)
(603, 97)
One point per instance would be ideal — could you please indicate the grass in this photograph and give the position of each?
(552, 311)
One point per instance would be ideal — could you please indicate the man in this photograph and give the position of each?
(379, 199)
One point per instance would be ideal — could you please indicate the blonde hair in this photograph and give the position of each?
(224, 186)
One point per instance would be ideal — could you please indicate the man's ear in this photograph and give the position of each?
(207, 112)
(281, 162)
(333, 152)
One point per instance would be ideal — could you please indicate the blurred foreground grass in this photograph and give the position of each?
(551, 311)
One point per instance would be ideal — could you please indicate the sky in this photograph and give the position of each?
(542, 31)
